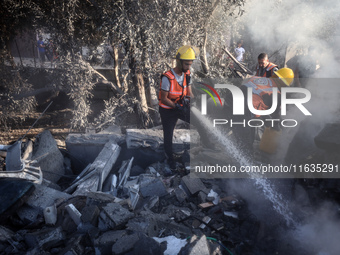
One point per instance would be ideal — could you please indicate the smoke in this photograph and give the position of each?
(284, 29)
(320, 233)
(305, 22)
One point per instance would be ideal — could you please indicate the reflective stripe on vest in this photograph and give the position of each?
(176, 91)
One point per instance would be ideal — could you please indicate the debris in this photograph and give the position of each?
(47, 156)
(152, 187)
(74, 213)
(214, 197)
(206, 220)
(197, 246)
(174, 244)
(192, 185)
(50, 214)
(150, 138)
(231, 214)
(113, 215)
(90, 214)
(13, 194)
(103, 244)
(84, 148)
(100, 169)
(206, 205)
(45, 238)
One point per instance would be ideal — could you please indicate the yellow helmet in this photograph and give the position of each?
(187, 52)
(286, 75)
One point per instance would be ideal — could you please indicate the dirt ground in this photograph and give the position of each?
(57, 121)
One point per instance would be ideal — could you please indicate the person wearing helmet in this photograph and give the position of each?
(262, 89)
(174, 96)
(264, 67)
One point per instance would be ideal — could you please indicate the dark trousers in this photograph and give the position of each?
(169, 119)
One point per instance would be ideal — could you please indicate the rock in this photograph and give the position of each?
(149, 138)
(154, 187)
(135, 244)
(48, 157)
(181, 195)
(197, 246)
(104, 243)
(85, 148)
(192, 185)
(44, 238)
(90, 214)
(114, 215)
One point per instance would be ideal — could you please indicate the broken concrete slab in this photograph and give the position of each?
(193, 185)
(155, 187)
(41, 198)
(103, 244)
(90, 214)
(197, 246)
(113, 215)
(101, 167)
(135, 244)
(84, 148)
(13, 193)
(181, 195)
(149, 138)
(48, 157)
(45, 237)
(74, 213)
(125, 244)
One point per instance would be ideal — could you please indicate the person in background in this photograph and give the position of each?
(264, 67)
(262, 98)
(42, 49)
(239, 51)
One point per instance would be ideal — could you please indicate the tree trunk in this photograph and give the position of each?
(116, 67)
(203, 57)
(144, 110)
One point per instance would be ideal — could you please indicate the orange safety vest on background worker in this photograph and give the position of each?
(268, 70)
(176, 91)
(261, 86)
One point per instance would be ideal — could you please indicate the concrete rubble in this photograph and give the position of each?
(114, 205)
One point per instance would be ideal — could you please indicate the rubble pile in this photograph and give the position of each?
(118, 205)
(112, 193)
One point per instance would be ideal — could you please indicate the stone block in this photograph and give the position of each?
(48, 157)
(45, 237)
(103, 244)
(150, 138)
(90, 214)
(84, 148)
(193, 185)
(114, 215)
(154, 188)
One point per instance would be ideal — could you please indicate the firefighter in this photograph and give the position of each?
(174, 97)
(262, 89)
(264, 67)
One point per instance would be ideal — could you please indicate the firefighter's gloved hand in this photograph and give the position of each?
(186, 101)
(179, 107)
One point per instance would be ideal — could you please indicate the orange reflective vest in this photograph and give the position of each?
(269, 70)
(176, 91)
(261, 86)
